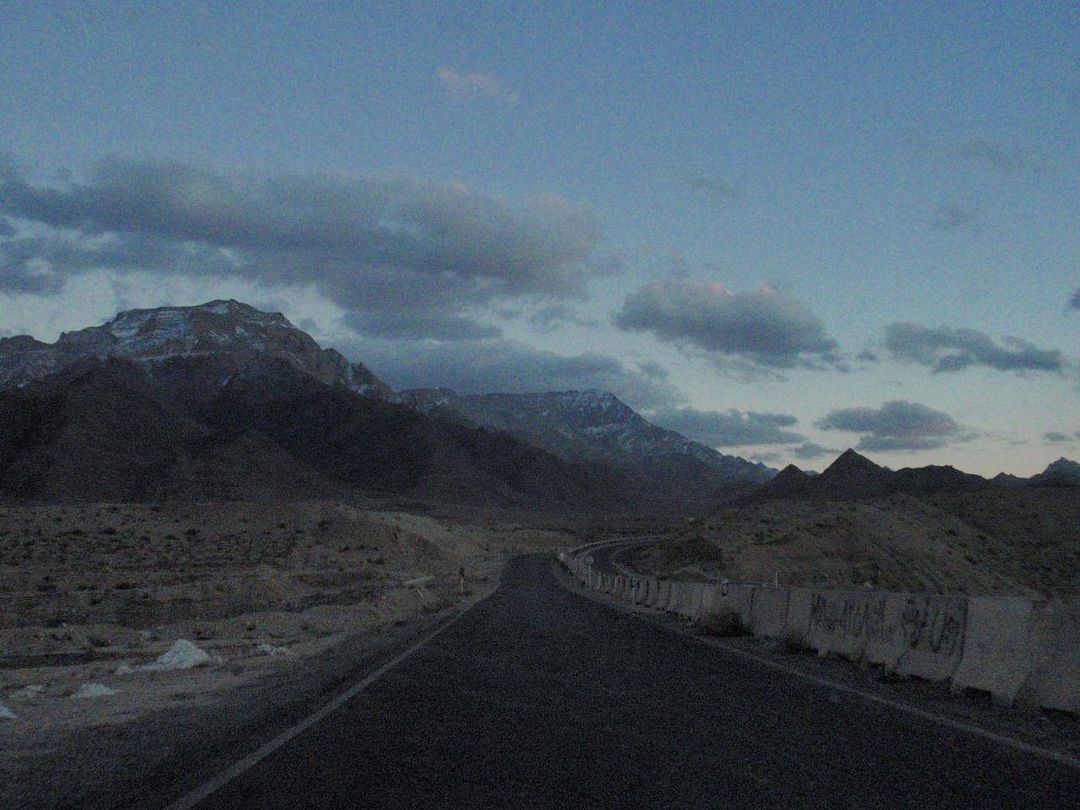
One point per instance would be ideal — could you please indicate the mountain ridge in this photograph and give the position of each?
(853, 475)
(596, 426)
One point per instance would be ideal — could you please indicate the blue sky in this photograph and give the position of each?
(757, 223)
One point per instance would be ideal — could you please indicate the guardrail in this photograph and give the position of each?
(1019, 651)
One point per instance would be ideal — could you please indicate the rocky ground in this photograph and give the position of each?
(91, 597)
(1016, 541)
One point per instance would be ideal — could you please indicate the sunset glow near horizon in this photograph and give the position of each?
(779, 230)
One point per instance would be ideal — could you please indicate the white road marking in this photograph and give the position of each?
(1011, 742)
(192, 799)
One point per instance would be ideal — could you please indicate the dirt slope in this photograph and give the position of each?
(1008, 541)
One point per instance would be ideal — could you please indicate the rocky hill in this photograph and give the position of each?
(1002, 540)
(597, 427)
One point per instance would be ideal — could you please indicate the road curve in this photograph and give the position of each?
(539, 697)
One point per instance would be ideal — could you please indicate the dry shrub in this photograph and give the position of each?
(724, 623)
(795, 642)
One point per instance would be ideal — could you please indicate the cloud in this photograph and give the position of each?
(950, 218)
(653, 369)
(730, 428)
(1054, 436)
(766, 458)
(474, 85)
(948, 349)
(419, 324)
(550, 318)
(508, 367)
(766, 329)
(6, 228)
(1074, 302)
(810, 450)
(999, 156)
(897, 425)
(395, 252)
(713, 187)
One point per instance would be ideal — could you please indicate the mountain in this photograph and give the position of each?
(1062, 472)
(102, 434)
(1003, 479)
(384, 447)
(790, 481)
(187, 347)
(597, 427)
(222, 401)
(855, 476)
(106, 431)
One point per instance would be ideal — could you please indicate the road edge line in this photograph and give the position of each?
(192, 798)
(1001, 739)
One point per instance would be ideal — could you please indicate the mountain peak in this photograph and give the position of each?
(1061, 470)
(852, 465)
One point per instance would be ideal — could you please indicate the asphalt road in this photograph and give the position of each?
(539, 697)
(605, 554)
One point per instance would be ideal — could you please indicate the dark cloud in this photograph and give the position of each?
(508, 367)
(728, 428)
(766, 329)
(40, 264)
(1074, 302)
(947, 349)
(375, 246)
(713, 187)
(867, 356)
(653, 369)
(809, 450)
(1054, 436)
(952, 218)
(6, 228)
(999, 156)
(897, 425)
(550, 318)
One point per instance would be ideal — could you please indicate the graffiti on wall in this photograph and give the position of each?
(850, 615)
(934, 624)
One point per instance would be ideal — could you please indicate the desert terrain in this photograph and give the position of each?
(94, 595)
(1023, 541)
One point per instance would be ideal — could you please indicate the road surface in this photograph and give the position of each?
(539, 697)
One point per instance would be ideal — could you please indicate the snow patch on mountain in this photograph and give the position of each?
(231, 333)
(592, 425)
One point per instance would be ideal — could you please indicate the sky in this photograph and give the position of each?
(781, 229)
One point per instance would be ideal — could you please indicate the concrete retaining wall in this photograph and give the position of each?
(1000, 648)
(768, 611)
(1007, 646)
(733, 596)
(797, 621)
(692, 595)
(1054, 682)
(663, 594)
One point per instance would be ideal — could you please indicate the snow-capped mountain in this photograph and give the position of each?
(228, 334)
(595, 426)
